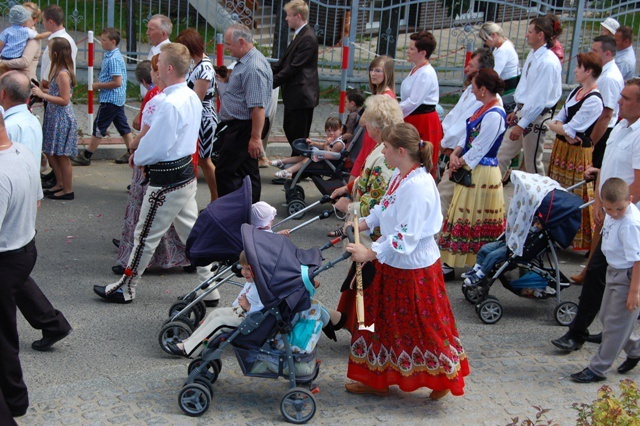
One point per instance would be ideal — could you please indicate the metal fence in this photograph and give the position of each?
(371, 27)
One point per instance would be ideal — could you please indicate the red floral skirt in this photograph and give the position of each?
(430, 129)
(415, 343)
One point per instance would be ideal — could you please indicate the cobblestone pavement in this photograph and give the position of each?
(111, 370)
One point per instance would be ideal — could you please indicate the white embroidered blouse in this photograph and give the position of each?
(408, 218)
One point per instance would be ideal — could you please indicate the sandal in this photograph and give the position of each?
(338, 232)
(277, 163)
(283, 174)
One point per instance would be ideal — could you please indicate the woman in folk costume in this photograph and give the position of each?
(573, 149)
(415, 342)
(476, 215)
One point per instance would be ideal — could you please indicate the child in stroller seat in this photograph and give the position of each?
(490, 255)
(333, 142)
(222, 319)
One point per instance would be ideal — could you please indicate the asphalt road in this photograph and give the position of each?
(111, 370)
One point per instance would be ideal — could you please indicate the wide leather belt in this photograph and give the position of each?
(171, 173)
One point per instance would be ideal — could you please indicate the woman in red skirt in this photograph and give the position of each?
(415, 343)
(420, 92)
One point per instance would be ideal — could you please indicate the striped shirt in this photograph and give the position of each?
(15, 39)
(249, 86)
(113, 65)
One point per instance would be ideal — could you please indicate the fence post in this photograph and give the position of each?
(343, 78)
(353, 30)
(111, 7)
(219, 60)
(575, 41)
(467, 57)
(90, 80)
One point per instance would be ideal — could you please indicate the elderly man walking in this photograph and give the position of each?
(242, 113)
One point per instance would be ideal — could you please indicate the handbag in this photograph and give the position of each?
(462, 176)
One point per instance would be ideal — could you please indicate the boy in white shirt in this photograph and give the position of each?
(621, 301)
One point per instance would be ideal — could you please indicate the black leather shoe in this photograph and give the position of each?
(115, 297)
(628, 365)
(117, 269)
(174, 349)
(116, 242)
(48, 341)
(567, 343)
(189, 269)
(587, 376)
(448, 272)
(594, 338)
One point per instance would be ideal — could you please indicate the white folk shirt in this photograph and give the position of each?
(506, 61)
(174, 130)
(540, 84)
(588, 113)
(626, 61)
(454, 125)
(622, 156)
(419, 88)
(491, 127)
(23, 127)
(408, 220)
(610, 85)
(621, 239)
(45, 65)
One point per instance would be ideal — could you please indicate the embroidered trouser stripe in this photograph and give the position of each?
(161, 208)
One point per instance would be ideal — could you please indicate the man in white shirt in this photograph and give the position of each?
(22, 126)
(53, 20)
(166, 150)
(626, 57)
(454, 125)
(159, 29)
(610, 84)
(538, 92)
(622, 160)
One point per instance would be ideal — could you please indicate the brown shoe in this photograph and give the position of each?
(437, 394)
(362, 389)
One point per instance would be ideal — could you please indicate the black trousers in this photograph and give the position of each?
(234, 162)
(591, 295)
(14, 272)
(297, 123)
(6, 418)
(598, 150)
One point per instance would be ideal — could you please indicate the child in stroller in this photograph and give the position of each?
(222, 319)
(490, 255)
(333, 142)
(282, 275)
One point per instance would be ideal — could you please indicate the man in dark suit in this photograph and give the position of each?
(297, 73)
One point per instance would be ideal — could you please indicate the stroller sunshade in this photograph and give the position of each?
(275, 262)
(560, 214)
(216, 234)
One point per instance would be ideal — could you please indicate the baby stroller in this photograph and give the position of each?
(327, 170)
(559, 214)
(216, 237)
(283, 275)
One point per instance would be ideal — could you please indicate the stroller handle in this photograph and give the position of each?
(345, 255)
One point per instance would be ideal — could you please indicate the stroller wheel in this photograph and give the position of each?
(191, 315)
(213, 368)
(473, 294)
(173, 330)
(294, 206)
(565, 312)
(298, 406)
(194, 399)
(204, 382)
(489, 311)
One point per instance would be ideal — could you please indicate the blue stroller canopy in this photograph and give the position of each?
(275, 262)
(216, 234)
(560, 214)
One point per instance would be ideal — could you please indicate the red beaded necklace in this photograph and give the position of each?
(398, 180)
(484, 109)
(416, 68)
